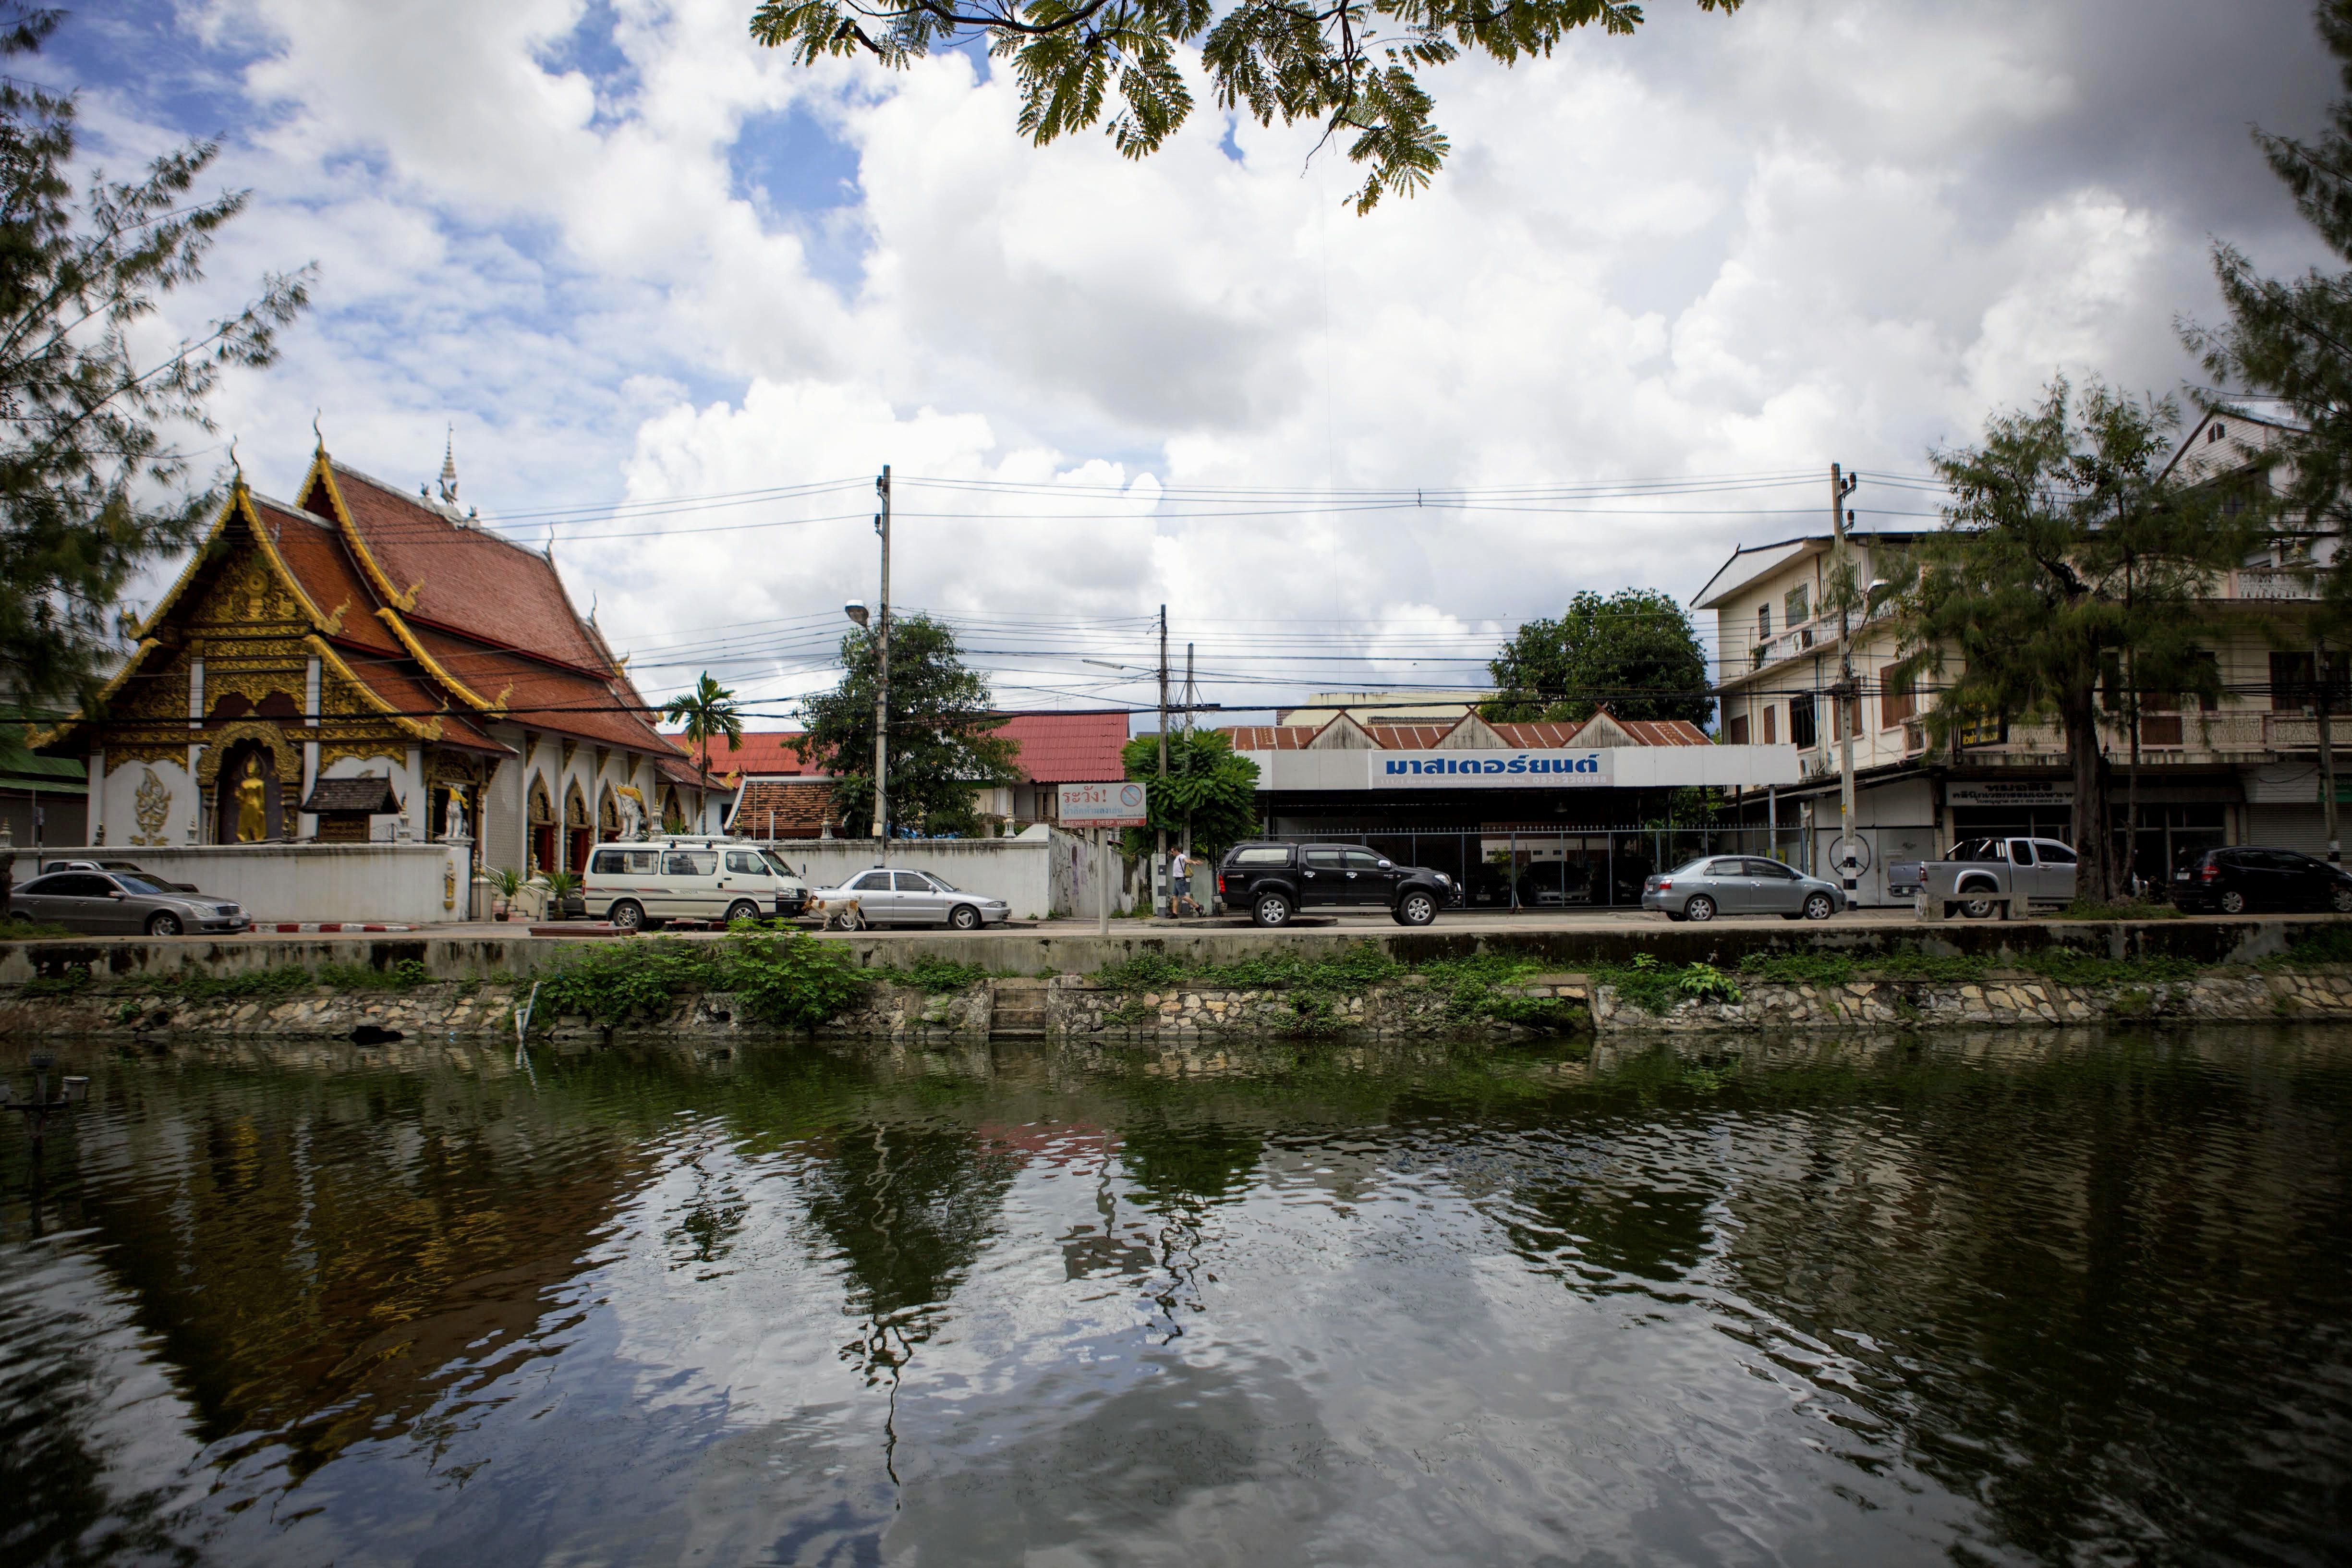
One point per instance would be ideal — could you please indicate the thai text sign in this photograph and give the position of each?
(1103, 804)
(1489, 769)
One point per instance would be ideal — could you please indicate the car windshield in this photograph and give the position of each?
(132, 884)
(776, 863)
(942, 883)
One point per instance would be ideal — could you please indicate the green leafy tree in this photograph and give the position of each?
(1210, 788)
(1351, 66)
(943, 747)
(708, 714)
(2068, 579)
(2291, 338)
(1635, 653)
(92, 487)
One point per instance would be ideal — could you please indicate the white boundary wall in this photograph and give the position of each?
(1040, 873)
(403, 884)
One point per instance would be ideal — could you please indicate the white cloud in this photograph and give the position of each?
(1818, 229)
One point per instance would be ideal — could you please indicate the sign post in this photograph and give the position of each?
(1101, 808)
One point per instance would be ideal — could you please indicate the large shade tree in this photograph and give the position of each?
(1211, 791)
(2068, 582)
(95, 407)
(942, 723)
(1634, 652)
(1351, 66)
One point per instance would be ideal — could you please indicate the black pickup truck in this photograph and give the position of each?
(1275, 881)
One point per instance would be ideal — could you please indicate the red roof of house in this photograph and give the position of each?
(1426, 736)
(1067, 748)
(764, 753)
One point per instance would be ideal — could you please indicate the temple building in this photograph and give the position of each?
(369, 666)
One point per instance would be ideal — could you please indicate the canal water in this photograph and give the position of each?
(1990, 1297)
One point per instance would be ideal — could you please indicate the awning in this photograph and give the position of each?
(371, 794)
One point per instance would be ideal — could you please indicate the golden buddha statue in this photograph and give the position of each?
(252, 823)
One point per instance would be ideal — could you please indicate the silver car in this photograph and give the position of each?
(881, 897)
(1716, 885)
(116, 903)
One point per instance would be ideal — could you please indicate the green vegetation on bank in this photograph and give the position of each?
(790, 979)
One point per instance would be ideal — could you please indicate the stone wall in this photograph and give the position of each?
(1079, 1008)
(1996, 1001)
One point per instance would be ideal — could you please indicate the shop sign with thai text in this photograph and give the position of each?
(1103, 804)
(1488, 770)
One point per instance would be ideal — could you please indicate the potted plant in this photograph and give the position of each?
(505, 883)
(566, 898)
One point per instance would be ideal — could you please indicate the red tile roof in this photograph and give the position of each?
(1067, 748)
(467, 580)
(764, 753)
(313, 549)
(1426, 736)
(541, 695)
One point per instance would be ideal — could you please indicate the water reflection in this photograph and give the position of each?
(2033, 1296)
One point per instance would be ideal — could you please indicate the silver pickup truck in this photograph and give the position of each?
(1981, 876)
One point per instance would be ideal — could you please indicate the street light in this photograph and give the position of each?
(855, 611)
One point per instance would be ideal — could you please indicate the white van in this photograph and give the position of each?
(679, 877)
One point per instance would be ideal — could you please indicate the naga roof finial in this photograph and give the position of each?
(450, 469)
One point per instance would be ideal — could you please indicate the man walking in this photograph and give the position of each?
(1179, 881)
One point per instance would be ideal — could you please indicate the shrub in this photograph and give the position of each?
(792, 979)
(247, 985)
(405, 976)
(2067, 967)
(940, 976)
(610, 982)
(1798, 968)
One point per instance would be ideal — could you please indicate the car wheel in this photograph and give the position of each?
(1976, 908)
(627, 915)
(1270, 910)
(848, 919)
(963, 917)
(1416, 909)
(163, 922)
(742, 910)
(1700, 908)
(2340, 899)
(2233, 902)
(1819, 907)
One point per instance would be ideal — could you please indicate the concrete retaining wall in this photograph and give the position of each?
(386, 884)
(1996, 1000)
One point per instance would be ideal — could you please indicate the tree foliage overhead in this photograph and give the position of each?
(1634, 652)
(2068, 562)
(1350, 65)
(1210, 788)
(92, 480)
(943, 747)
(709, 712)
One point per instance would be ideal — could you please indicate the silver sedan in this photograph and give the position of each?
(881, 897)
(117, 904)
(1716, 885)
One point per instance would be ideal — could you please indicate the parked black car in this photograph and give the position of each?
(1275, 881)
(2247, 878)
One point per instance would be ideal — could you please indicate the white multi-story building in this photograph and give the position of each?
(2244, 771)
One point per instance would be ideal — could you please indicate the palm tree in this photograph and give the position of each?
(708, 711)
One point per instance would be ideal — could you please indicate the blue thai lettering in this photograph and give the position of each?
(1588, 764)
(1397, 767)
(1518, 765)
(1493, 764)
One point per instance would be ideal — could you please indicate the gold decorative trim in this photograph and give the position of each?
(333, 751)
(422, 729)
(433, 667)
(333, 624)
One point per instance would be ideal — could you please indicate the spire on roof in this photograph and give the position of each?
(450, 469)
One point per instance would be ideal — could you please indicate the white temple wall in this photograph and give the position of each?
(393, 884)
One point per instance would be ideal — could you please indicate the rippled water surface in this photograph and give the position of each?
(2006, 1298)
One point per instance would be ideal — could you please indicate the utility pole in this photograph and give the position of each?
(2326, 753)
(882, 681)
(1159, 857)
(1848, 701)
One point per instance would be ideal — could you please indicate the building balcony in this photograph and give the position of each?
(2270, 583)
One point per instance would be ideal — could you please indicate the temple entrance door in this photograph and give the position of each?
(247, 804)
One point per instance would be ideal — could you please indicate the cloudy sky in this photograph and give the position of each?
(651, 273)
